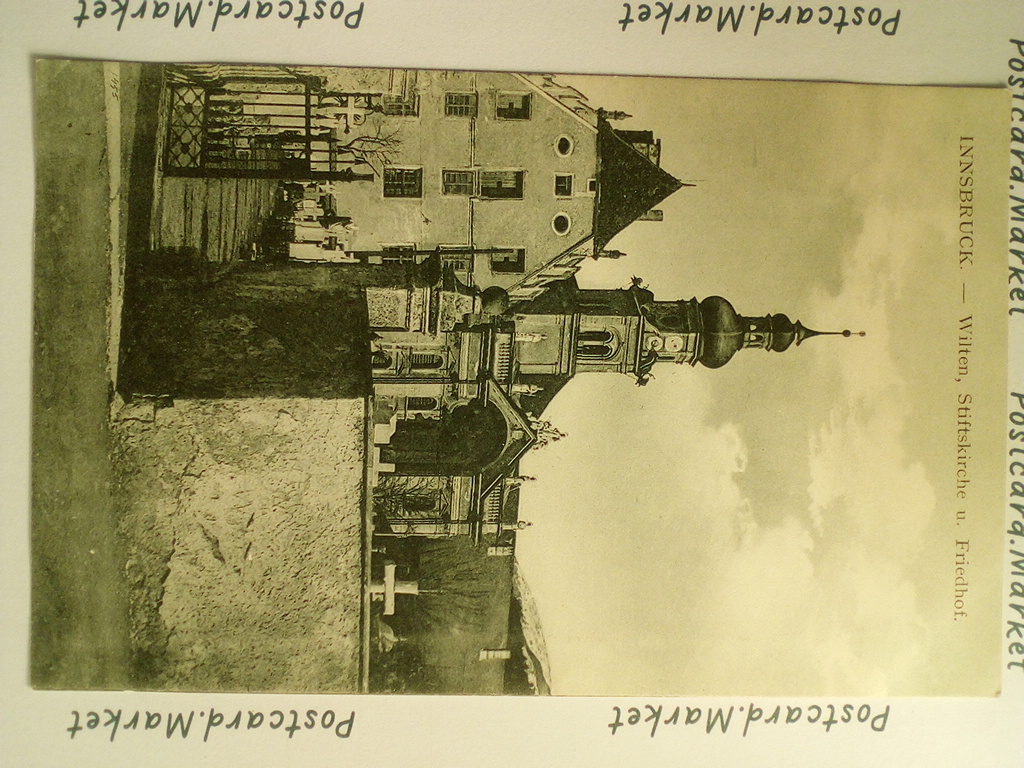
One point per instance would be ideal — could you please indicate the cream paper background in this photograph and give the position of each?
(937, 43)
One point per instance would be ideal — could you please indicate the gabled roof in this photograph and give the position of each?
(564, 96)
(628, 185)
(520, 436)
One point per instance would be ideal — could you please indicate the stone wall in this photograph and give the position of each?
(243, 520)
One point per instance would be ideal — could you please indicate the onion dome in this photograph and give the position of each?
(721, 332)
(783, 332)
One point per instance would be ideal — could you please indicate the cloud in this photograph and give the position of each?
(826, 599)
(630, 513)
(871, 499)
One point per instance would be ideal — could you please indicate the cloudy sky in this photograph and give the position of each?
(785, 524)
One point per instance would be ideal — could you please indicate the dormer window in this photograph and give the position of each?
(513, 106)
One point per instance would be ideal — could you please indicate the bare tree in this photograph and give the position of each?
(375, 150)
(397, 498)
(459, 583)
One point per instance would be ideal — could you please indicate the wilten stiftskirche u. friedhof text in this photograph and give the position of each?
(429, 381)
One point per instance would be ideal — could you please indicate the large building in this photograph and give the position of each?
(514, 178)
(458, 396)
(460, 380)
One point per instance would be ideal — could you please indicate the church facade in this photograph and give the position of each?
(459, 392)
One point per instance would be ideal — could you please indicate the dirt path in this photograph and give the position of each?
(243, 519)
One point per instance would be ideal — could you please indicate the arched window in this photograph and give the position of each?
(596, 344)
(595, 351)
(596, 337)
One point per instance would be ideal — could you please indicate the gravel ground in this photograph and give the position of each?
(243, 523)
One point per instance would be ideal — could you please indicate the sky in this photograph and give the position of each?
(787, 524)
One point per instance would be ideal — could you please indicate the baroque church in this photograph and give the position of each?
(467, 355)
(459, 393)
(458, 397)
(461, 376)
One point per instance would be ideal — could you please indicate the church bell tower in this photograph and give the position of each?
(628, 331)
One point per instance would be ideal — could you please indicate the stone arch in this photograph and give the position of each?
(462, 442)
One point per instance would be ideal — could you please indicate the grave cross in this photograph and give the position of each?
(389, 587)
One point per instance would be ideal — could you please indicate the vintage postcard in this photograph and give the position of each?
(466, 382)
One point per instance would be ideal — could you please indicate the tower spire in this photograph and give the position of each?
(711, 331)
(802, 332)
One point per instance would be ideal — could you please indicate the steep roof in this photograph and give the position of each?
(628, 185)
(520, 436)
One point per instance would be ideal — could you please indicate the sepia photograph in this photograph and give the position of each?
(458, 382)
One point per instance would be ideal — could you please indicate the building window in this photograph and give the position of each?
(596, 337)
(458, 182)
(511, 260)
(380, 360)
(403, 182)
(596, 345)
(513, 106)
(398, 253)
(591, 186)
(460, 104)
(561, 224)
(421, 403)
(564, 146)
(401, 106)
(563, 185)
(501, 185)
(425, 361)
(458, 257)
